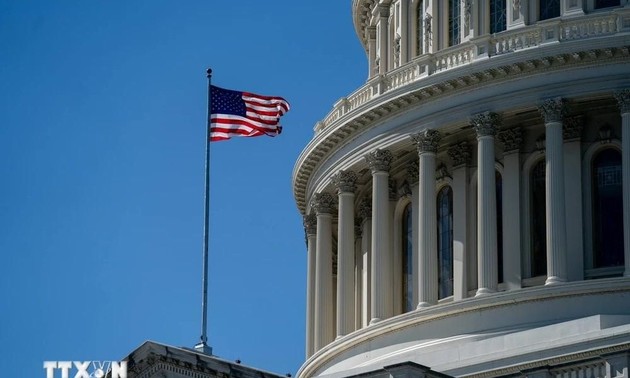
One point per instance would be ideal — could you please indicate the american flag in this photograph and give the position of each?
(234, 113)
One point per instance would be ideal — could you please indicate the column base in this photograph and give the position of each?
(484, 291)
(553, 280)
(374, 321)
(422, 305)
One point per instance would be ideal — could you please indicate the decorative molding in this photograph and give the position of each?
(345, 182)
(460, 154)
(512, 139)
(427, 30)
(310, 224)
(572, 128)
(623, 100)
(323, 203)
(379, 160)
(467, 13)
(413, 172)
(426, 140)
(517, 6)
(365, 208)
(553, 109)
(486, 123)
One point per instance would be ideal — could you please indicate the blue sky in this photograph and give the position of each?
(102, 129)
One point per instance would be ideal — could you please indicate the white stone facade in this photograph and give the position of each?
(468, 208)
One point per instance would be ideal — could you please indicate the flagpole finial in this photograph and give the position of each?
(209, 72)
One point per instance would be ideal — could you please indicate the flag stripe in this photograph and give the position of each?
(235, 113)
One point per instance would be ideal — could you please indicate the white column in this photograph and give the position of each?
(389, 262)
(572, 132)
(310, 227)
(511, 140)
(345, 182)
(373, 70)
(358, 272)
(365, 212)
(623, 99)
(485, 125)
(379, 162)
(382, 32)
(323, 204)
(460, 155)
(427, 143)
(413, 173)
(552, 111)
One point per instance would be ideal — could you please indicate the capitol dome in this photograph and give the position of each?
(467, 210)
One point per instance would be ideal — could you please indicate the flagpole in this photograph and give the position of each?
(203, 344)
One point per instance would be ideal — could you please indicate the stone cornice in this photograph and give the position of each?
(433, 88)
(612, 286)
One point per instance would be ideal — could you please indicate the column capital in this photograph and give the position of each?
(365, 209)
(323, 203)
(623, 100)
(310, 224)
(486, 123)
(379, 160)
(345, 182)
(460, 154)
(381, 10)
(511, 139)
(572, 127)
(553, 109)
(426, 140)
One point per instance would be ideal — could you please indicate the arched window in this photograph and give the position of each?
(549, 9)
(407, 259)
(445, 242)
(497, 16)
(538, 221)
(420, 28)
(607, 209)
(453, 22)
(499, 198)
(606, 3)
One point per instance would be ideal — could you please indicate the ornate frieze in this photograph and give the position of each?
(426, 140)
(486, 123)
(460, 154)
(379, 160)
(365, 208)
(623, 100)
(323, 203)
(310, 224)
(345, 181)
(553, 109)
(512, 139)
(572, 127)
